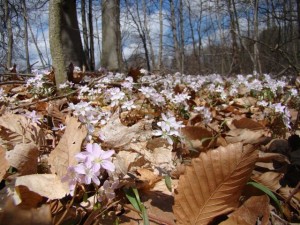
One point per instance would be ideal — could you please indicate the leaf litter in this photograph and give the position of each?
(187, 150)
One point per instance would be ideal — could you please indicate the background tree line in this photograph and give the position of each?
(189, 36)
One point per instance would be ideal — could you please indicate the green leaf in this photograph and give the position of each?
(130, 195)
(168, 182)
(267, 191)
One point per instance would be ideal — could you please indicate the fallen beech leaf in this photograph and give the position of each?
(14, 215)
(15, 129)
(24, 157)
(125, 160)
(63, 155)
(254, 208)
(148, 179)
(46, 185)
(159, 157)
(212, 185)
(118, 135)
(3, 163)
(246, 123)
(269, 157)
(244, 135)
(196, 137)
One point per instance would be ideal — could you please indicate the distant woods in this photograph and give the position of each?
(187, 36)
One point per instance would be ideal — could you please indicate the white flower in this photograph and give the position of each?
(147, 91)
(128, 105)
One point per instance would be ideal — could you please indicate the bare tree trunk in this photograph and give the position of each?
(111, 35)
(98, 38)
(85, 34)
(191, 28)
(256, 65)
(28, 69)
(141, 31)
(181, 37)
(65, 40)
(91, 29)
(160, 36)
(298, 17)
(10, 35)
(175, 40)
(147, 31)
(235, 64)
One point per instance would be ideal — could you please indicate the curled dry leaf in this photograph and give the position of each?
(148, 179)
(244, 135)
(196, 137)
(24, 157)
(160, 157)
(63, 155)
(3, 163)
(212, 185)
(269, 179)
(118, 135)
(256, 207)
(46, 185)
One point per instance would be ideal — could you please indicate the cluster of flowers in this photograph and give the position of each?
(91, 164)
(169, 128)
(89, 115)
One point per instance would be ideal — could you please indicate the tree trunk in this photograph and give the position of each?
(28, 69)
(111, 57)
(160, 36)
(181, 37)
(85, 34)
(235, 64)
(147, 31)
(65, 40)
(92, 50)
(10, 35)
(175, 39)
(256, 66)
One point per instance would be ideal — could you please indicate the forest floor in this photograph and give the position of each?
(149, 149)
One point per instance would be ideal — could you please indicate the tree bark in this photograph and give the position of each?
(111, 58)
(28, 69)
(175, 39)
(181, 37)
(235, 64)
(10, 35)
(91, 29)
(160, 36)
(65, 40)
(85, 34)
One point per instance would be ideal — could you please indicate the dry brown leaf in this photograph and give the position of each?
(46, 185)
(63, 155)
(269, 179)
(254, 208)
(118, 135)
(24, 157)
(212, 185)
(196, 137)
(246, 123)
(14, 215)
(148, 179)
(269, 157)
(125, 160)
(244, 135)
(3, 163)
(15, 129)
(159, 157)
